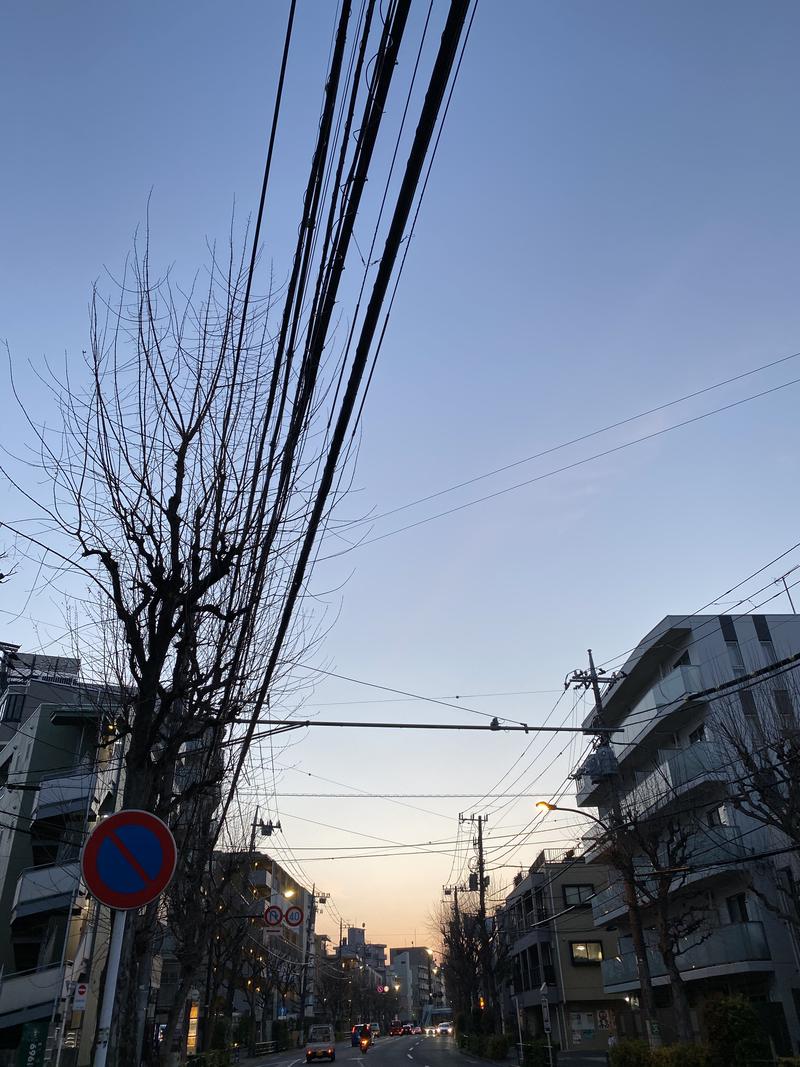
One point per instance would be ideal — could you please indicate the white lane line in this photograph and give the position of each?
(409, 1056)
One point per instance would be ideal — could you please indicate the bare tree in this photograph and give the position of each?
(758, 730)
(462, 953)
(681, 917)
(194, 475)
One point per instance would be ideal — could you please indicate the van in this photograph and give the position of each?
(320, 1044)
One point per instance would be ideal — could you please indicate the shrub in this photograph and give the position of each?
(631, 1053)
(536, 1054)
(496, 1047)
(680, 1056)
(734, 1033)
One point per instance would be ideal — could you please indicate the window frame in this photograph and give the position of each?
(585, 961)
(581, 902)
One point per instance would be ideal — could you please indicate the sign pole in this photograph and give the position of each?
(110, 988)
(546, 1021)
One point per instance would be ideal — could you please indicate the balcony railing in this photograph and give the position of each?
(48, 888)
(734, 944)
(698, 765)
(661, 700)
(66, 795)
(718, 845)
(29, 994)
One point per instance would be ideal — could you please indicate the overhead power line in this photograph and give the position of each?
(566, 467)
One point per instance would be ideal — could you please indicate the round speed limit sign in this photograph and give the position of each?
(294, 915)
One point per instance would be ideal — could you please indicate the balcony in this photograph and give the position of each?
(42, 889)
(59, 797)
(733, 949)
(29, 995)
(689, 769)
(718, 845)
(653, 710)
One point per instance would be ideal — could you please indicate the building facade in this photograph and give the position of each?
(551, 951)
(670, 772)
(420, 980)
(56, 775)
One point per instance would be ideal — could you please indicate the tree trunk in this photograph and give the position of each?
(640, 949)
(167, 1058)
(680, 1001)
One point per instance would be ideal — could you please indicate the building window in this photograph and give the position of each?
(732, 643)
(577, 894)
(749, 709)
(11, 707)
(682, 661)
(698, 734)
(716, 817)
(762, 628)
(784, 708)
(737, 908)
(586, 952)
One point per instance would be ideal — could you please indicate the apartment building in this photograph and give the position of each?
(552, 951)
(420, 980)
(53, 778)
(254, 973)
(671, 771)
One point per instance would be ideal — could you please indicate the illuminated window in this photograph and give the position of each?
(586, 952)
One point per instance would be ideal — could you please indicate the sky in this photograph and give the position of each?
(611, 224)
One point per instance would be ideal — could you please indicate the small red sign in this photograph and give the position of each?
(128, 859)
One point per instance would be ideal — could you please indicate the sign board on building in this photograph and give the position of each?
(30, 1051)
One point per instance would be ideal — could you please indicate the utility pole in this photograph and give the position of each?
(304, 981)
(623, 859)
(486, 949)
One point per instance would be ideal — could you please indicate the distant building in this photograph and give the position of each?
(420, 980)
(557, 953)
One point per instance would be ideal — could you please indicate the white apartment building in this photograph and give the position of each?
(671, 765)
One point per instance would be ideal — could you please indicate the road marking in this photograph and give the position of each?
(409, 1056)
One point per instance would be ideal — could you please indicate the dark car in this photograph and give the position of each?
(396, 1030)
(407, 1028)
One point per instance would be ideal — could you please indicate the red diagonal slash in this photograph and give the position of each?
(129, 856)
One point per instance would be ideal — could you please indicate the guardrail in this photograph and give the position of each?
(263, 1048)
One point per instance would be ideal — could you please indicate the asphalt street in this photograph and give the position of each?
(386, 1052)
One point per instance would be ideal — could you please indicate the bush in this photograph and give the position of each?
(734, 1033)
(631, 1053)
(681, 1056)
(536, 1054)
(496, 1047)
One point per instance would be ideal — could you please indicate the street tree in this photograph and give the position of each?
(201, 450)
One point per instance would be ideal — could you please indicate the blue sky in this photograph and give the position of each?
(612, 223)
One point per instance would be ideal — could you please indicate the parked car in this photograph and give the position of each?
(320, 1044)
(446, 1028)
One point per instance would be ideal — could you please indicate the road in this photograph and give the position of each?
(386, 1052)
